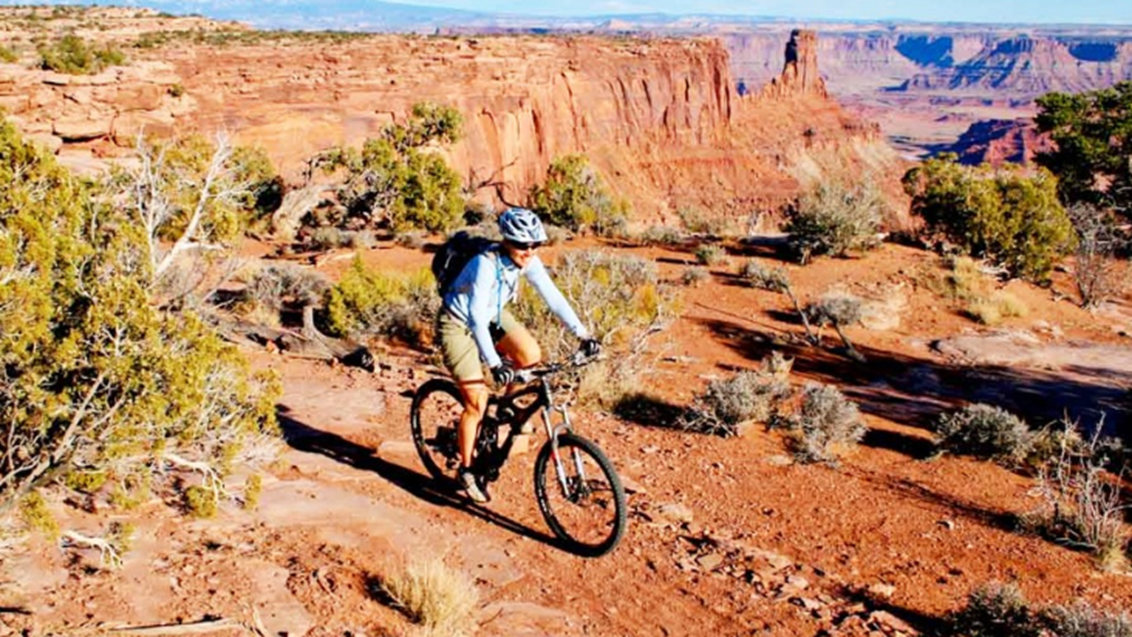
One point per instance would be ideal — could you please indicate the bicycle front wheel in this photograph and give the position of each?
(580, 495)
(434, 417)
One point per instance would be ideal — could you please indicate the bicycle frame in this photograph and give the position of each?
(544, 405)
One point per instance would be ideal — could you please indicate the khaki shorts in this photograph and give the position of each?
(458, 347)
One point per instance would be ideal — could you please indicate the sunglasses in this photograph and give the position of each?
(524, 247)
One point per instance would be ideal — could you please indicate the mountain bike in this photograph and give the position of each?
(578, 491)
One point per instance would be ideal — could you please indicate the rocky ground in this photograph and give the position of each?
(726, 536)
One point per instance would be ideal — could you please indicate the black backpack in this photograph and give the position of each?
(450, 259)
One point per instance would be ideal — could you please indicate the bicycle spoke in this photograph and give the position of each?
(435, 416)
(589, 513)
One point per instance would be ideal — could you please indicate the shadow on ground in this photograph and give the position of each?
(303, 437)
(914, 391)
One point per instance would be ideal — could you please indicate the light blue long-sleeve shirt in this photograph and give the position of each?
(488, 283)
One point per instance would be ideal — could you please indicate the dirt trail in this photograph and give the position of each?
(726, 537)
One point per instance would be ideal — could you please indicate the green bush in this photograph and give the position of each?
(832, 217)
(573, 196)
(694, 276)
(73, 56)
(97, 376)
(1091, 145)
(1005, 215)
(394, 305)
(826, 426)
(394, 181)
(7, 55)
(983, 431)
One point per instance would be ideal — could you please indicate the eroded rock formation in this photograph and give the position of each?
(661, 119)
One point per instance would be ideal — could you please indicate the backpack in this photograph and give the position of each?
(454, 254)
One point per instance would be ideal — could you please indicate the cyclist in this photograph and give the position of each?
(474, 325)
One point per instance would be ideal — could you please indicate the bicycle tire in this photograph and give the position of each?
(433, 419)
(569, 514)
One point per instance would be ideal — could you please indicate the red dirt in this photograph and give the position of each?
(765, 546)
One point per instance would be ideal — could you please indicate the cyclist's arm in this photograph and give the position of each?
(482, 307)
(538, 276)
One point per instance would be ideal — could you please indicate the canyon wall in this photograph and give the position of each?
(661, 118)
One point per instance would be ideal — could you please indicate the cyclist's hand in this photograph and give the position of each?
(503, 374)
(590, 347)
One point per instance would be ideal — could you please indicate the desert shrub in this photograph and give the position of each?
(660, 236)
(759, 276)
(434, 595)
(37, 517)
(994, 610)
(1098, 274)
(73, 56)
(696, 221)
(393, 305)
(1005, 215)
(200, 502)
(963, 280)
(394, 181)
(826, 424)
(1090, 138)
(694, 276)
(834, 217)
(837, 308)
(412, 239)
(283, 285)
(621, 299)
(98, 376)
(710, 254)
(7, 55)
(176, 89)
(992, 310)
(1082, 620)
(1084, 504)
(983, 431)
(253, 489)
(727, 405)
(574, 196)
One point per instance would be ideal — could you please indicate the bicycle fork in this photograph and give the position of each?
(553, 432)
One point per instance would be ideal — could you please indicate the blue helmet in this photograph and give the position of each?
(520, 225)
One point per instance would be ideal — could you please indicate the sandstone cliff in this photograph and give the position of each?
(661, 119)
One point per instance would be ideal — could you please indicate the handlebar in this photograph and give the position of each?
(577, 360)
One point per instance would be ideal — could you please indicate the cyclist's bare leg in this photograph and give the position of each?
(520, 347)
(475, 396)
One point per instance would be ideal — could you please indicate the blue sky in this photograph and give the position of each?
(1029, 11)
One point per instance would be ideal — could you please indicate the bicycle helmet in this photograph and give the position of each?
(520, 225)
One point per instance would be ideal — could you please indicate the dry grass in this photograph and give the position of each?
(439, 598)
(996, 308)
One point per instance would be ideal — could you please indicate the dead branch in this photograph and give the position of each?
(194, 628)
(108, 554)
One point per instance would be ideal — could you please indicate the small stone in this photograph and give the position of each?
(710, 562)
(797, 582)
(947, 524)
(882, 590)
(807, 603)
(884, 618)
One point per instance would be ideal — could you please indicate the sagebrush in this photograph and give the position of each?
(623, 301)
(983, 431)
(826, 425)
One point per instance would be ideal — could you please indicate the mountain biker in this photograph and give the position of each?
(474, 325)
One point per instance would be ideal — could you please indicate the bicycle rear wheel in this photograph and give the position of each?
(434, 417)
(589, 513)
